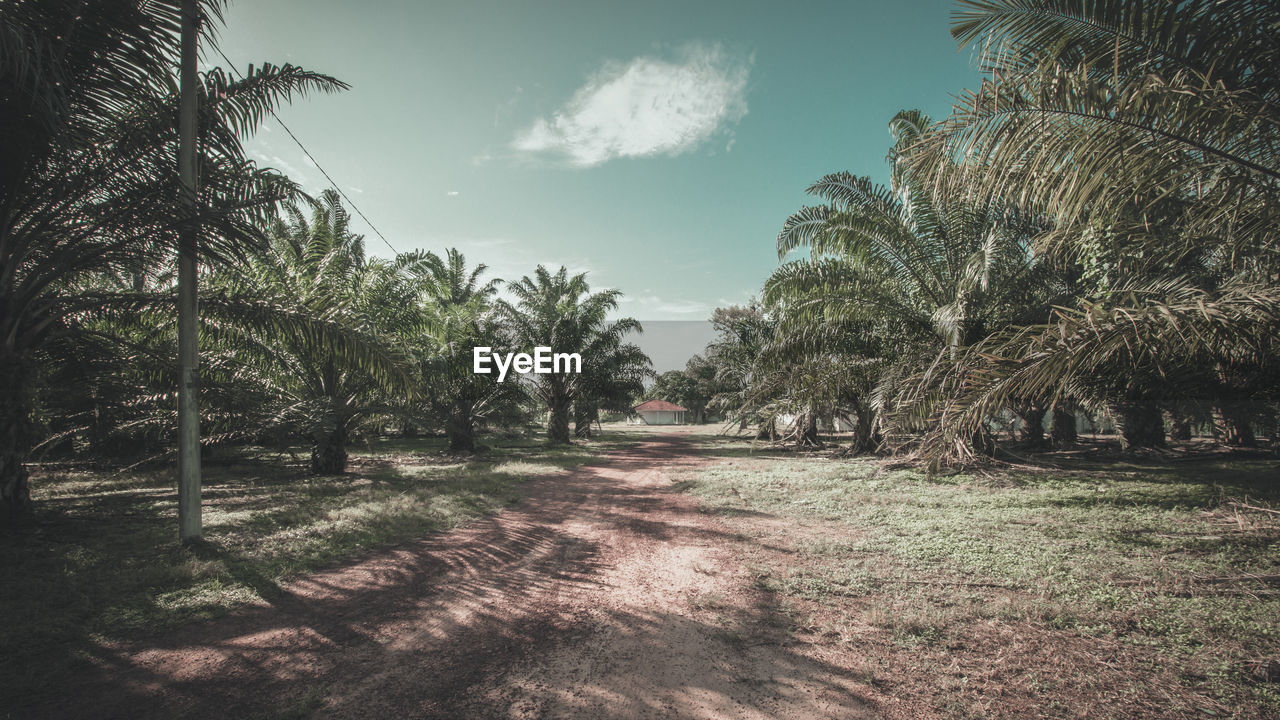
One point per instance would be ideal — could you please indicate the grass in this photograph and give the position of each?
(99, 562)
(1120, 592)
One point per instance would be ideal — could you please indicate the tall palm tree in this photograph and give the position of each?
(462, 315)
(743, 333)
(1149, 132)
(614, 376)
(560, 311)
(902, 273)
(87, 107)
(317, 268)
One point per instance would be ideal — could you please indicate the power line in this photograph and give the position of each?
(312, 158)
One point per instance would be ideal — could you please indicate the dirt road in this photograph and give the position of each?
(603, 594)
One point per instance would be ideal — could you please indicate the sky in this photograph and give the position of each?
(657, 146)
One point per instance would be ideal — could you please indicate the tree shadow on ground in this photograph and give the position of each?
(410, 630)
(92, 563)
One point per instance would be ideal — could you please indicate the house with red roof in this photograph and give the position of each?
(660, 412)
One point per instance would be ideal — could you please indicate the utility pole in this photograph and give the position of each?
(189, 524)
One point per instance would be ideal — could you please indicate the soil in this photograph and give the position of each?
(604, 593)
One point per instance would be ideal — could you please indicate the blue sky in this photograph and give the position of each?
(658, 146)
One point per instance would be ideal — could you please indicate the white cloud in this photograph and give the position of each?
(643, 108)
(452, 193)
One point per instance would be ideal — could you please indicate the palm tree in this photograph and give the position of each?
(318, 269)
(462, 316)
(447, 282)
(87, 107)
(743, 333)
(1149, 133)
(560, 311)
(613, 377)
(1146, 350)
(902, 273)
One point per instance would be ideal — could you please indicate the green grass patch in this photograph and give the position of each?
(1152, 557)
(98, 560)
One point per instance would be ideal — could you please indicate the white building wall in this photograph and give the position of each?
(662, 417)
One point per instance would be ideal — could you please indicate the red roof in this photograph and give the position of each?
(658, 405)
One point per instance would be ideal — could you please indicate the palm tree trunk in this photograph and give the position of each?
(768, 430)
(582, 418)
(1141, 424)
(864, 436)
(15, 432)
(1179, 426)
(1237, 430)
(558, 421)
(1032, 416)
(982, 441)
(460, 430)
(1064, 426)
(329, 451)
(807, 434)
(1269, 424)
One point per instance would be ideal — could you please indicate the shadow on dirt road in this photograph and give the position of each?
(602, 594)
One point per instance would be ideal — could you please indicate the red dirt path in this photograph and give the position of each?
(602, 594)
